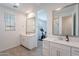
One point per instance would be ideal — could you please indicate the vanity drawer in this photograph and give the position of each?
(59, 46)
(75, 51)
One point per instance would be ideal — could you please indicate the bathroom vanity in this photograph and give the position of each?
(54, 46)
(28, 41)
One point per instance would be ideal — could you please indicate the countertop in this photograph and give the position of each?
(30, 34)
(68, 43)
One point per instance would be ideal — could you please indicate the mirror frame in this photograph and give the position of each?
(71, 14)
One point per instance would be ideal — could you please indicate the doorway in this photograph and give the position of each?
(41, 24)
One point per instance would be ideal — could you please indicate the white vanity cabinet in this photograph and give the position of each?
(55, 49)
(59, 49)
(75, 51)
(52, 46)
(29, 42)
(46, 48)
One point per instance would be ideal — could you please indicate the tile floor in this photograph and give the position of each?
(21, 51)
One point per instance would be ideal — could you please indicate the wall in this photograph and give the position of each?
(67, 25)
(10, 39)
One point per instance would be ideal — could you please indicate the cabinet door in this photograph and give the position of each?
(25, 42)
(46, 52)
(54, 51)
(31, 42)
(34, 42)
(64, 52)
(46, 48)
(59, 50)
(75, 51)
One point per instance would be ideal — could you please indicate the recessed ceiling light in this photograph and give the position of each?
(30, 15)
(58, 9)
(16, 5)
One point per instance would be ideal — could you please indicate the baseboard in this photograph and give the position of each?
(9, 48)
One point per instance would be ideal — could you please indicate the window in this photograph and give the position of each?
(9, 22)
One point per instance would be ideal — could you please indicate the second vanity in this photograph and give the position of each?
(28, 41)
(53, 46)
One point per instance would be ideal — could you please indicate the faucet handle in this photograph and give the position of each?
(67, 38)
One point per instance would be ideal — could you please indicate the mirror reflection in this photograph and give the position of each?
(64, 21)
(67, 25)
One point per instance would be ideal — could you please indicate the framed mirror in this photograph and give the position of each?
(67, 25)
(64, 22)
(30, 25)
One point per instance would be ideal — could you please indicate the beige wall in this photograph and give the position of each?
(67, 25)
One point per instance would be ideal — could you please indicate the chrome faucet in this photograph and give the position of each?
(67, 38)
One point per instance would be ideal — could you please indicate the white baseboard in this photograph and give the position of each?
(9, 48)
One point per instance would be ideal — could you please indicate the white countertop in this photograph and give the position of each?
(30, 34)
(69, 43)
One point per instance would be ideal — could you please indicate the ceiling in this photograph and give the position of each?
(24, 7)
